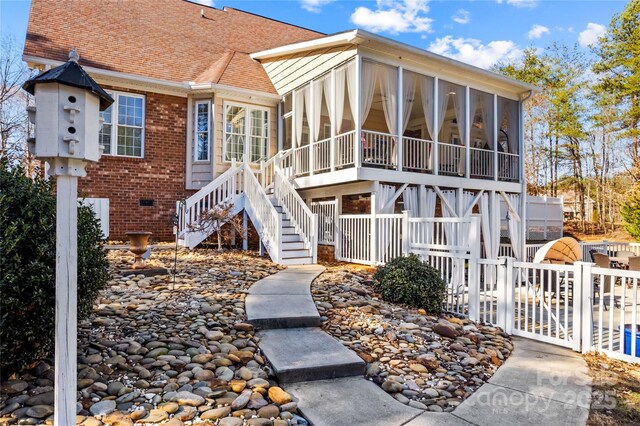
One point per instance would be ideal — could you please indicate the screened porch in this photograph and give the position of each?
(366, 114)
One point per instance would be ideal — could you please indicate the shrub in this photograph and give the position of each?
(411, 281)
(27, 267)
(630, 212)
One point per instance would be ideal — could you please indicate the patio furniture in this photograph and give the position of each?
(603, 261)
(634, 263)
(621, 259)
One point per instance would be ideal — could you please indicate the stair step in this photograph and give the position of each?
(307, 260)
(288, 230)
(293, 245)
(291, 238)
(268, 311)
(290, 253)
(305, 354)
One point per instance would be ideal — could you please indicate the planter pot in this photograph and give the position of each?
(138, 246)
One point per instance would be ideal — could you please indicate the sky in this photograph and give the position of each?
(479, 32)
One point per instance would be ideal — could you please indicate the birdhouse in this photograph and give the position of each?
(66, 117)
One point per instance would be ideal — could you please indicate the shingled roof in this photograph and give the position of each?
(162, 39)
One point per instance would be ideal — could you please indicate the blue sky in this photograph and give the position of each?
(480, 32)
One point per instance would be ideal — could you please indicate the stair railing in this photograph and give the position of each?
(263, 214)
(282, 160)
(301, 216)
(224, 189)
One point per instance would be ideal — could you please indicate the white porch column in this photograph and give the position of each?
(312, 134)
(495, 137)
(467, 133)
(280, 121)
(357, 146)
(400, 114)
(374, 228)
(332, 99)
(436, 129)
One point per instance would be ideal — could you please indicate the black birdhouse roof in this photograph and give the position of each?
(70, 74)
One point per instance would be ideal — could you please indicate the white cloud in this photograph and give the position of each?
(520, 3)
(209, 3)
(314, 5)
(473, 52)
(394, 16)
(591, 34)
(537, 31)
(462, 17)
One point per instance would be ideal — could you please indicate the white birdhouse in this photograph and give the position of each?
(66, 117)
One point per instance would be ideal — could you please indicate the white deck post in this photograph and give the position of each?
(510, 302)
(586, 305)
(467, 133)
(578, 303)
(357, 119)
(495, 137)
(312, 133)
(474, 282)
(405, 233)
(400, 115)
(245, 231)
(374, 228)
(334, 125)
(435, 159)
(66, 337)
(502, 289)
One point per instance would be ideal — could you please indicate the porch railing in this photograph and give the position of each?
(417, 155)
(508, 166)
(451, 159)
(378, 149)
(481, 163)
(345, 147)
(322, 156)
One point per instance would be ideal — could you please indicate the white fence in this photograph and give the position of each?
(544, 218)
(326, 211)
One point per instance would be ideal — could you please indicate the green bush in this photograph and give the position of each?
(411, 281)
(630, 212)
(27, 267)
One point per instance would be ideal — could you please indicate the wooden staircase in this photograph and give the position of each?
(286, 226)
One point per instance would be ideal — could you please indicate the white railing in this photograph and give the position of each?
(417, 155)
(481, 163)
(301, 217)
(492, 289)
(615, 312)
(345, 149)
(267, 171)
(322, 156)
(301, 160)
(353, 239)
(264, 216)
(326, 211)
(542, 299)
(451, 159)
(606, 247)
(378, 149)
(225, 189)
(388, 241)
(508, 166)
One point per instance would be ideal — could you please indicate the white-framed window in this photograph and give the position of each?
(202, 131)
(246, 131)
(123, 130)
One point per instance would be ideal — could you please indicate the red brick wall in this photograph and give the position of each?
(159, 176)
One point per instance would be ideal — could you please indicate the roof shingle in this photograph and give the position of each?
(163, 39)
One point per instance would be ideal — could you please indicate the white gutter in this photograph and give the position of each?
(186, 86)
(329, 41)
(113, 74)
(361, 37)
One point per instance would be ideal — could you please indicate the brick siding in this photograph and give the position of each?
(159, 176)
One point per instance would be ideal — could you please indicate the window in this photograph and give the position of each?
(126, 128)
(246, 131)
(202, 139)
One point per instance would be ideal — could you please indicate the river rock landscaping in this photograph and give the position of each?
(427, 362)
(153, 353)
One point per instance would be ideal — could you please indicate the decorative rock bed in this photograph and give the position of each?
(152, 354)
(424, 361)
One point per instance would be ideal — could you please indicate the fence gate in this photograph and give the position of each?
(326, 211)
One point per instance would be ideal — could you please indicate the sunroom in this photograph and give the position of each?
(392, 117)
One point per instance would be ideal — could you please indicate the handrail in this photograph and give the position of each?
(267, 217)
(224, 189)
(301, 216)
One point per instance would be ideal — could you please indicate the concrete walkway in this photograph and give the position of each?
(539, 384)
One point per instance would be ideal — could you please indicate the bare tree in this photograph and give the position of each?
(14, 124)
(213, 221)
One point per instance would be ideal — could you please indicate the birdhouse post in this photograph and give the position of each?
(67, 124)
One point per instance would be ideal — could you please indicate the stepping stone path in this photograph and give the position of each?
(154, 354)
